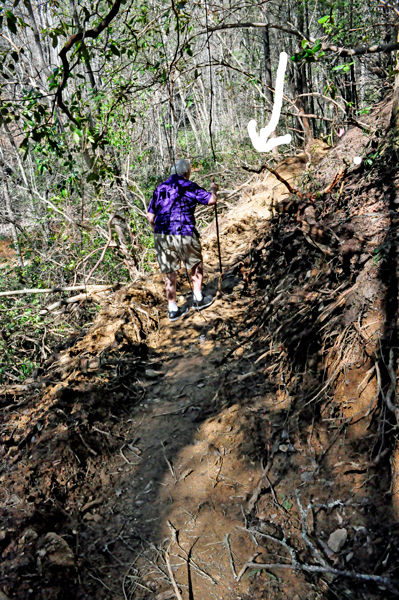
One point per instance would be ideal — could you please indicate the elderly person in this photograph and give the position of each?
(171, 217)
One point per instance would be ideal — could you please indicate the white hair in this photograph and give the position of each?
(181, 167)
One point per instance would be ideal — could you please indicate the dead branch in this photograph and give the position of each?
(172, 577)
(68, 288)
(227, 544)
(285, 182)
(338, 177)
(311, 197)
(81, 262)
(390, 583)
(100, 260)
(70, 300)
(262, 483)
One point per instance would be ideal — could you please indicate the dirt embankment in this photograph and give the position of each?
(242, 452)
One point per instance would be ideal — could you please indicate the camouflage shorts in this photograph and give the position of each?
(171, 250)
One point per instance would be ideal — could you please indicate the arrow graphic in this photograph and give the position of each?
(260, 140)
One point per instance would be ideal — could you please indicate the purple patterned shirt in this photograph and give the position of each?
(173, 204)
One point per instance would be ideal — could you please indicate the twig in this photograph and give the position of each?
(315, 569)
(304, 516)
(100, 260)
(172, 577)
(227, 544)
(67, 288)
(171, 469)
(102, 583)
(261, 484)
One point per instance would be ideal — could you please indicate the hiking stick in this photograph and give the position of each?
(217, 237)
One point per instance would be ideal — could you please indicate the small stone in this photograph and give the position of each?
(349, 557)
(29, 536)
(151, 374)
(283, 448)
(58, 552)
(337, 539)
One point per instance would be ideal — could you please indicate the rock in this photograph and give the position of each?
(165, 595)
(57, 551)
(151, 374)
(29, 536)
(337, 539)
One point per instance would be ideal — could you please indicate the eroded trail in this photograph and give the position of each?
(236, 453)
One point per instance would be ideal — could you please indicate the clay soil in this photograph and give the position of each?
(242, 452)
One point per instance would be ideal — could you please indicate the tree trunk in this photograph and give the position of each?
(394, 124)
(37, 39)
(14, 233)
(268, 76)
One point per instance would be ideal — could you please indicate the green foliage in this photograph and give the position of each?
(345, 68)
(310, 52)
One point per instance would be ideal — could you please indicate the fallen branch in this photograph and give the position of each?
(172, 577)
(340, 175)
(316, 569)
(311, 197)
(287, 185)
(68, 288)
(70, 300)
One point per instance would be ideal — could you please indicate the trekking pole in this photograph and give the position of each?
(218, 239)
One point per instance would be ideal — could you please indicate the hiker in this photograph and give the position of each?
(171, 217)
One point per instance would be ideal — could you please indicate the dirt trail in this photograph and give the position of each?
(154, 457)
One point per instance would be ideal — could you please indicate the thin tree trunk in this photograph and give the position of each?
(190, 118)
(14, 233)
(268, 76)
(37, 39)
(394, 124)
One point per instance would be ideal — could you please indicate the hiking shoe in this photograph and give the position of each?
(174, 315)
(204, 303)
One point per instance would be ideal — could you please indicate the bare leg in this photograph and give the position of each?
(170, 286)
(197, 275)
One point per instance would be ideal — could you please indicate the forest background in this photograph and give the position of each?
(98, 99)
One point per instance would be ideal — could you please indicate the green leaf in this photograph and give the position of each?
(92, 177)
(11, 21)
(324, 19)
(251, 572)
(115, 50)
(76, 137)
(317, 46)
(286, 504)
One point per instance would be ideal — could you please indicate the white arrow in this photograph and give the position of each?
(260, 140)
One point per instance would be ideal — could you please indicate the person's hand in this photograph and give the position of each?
(214, 187)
